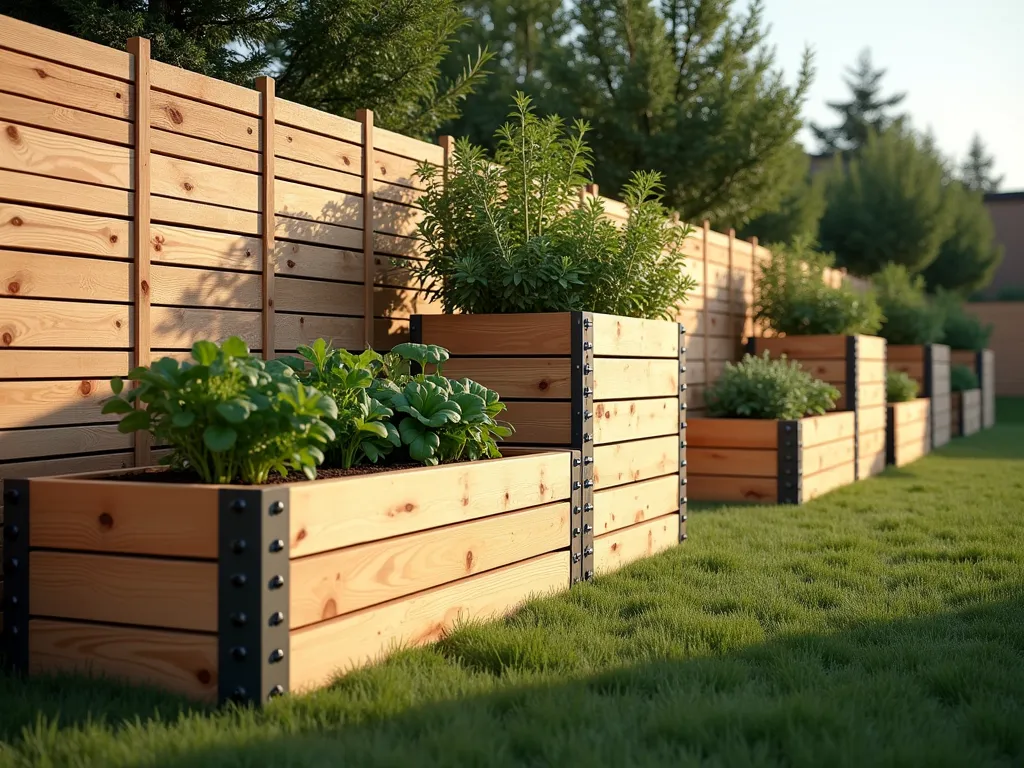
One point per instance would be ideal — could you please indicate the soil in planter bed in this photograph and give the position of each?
(322, 473)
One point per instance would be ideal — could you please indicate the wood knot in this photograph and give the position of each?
(41, 72)
(543, 384)
(157, 247)
(302, 321)
(188, 186)
(117, 95)
(543, 489)
(204, 676)
(409, 507)
(248, 254)
(330, 610)
(291, 264)
(249, 131)
(270, 303)
(345, 160)
(175, 114)
(106, 521)
(13, 287)
(144, 286)
(16, 221)
(113, 238)
(383, 171)
(289, 139)
(117, 323)
(85, 387)
(469, 561)
(7, 338)
(615, 546)
(12, 131)
(465, 501)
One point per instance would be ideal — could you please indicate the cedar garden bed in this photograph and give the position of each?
(928, 365)
(609, 387)
(909, 432)
(245, 592)
(984, 365)
(785, 462)
(965, 416)
(855, 365)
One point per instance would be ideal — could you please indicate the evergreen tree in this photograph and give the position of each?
(866, 111)
(968, 257)
(797, 216)
(976, 172)
(888, 206)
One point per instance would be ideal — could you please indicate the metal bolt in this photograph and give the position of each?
(239, 580)
(238, 505)
(277, 545)
(684, 500)
(12, 495)
(587, 415)
(575, 579)
(575, 485)
(276, 655)
(575, 510)
(682, 387)
(683, 350)
(684, 518)
(685, 537)
(238, 546)
(239, 693)
(682, 407)
(276, 618)
(588, 507)
(586, 322)
(587, 391)
(276, 581)
(588, 575)
(588, 551)
(587, 437)
(277, 690)
(587, 345)
(239, 652)
(682, 463)
(575, 532)
(277, 508)
(586, 370)
(588, 483)
(587, 460)
(576, 557)
(682, 481)
(239, 619)
(15, 630)
(14, 563)
(14, 599)
(576, 462)
(682, 369)
(587, 527)
(12, 531)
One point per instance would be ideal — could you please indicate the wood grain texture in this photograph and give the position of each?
(309, 150)
(68, 363)
(870, 420)
(183, 286)
(632, 337)
(619, 378)
(42, 276)
(803, 347)
(717, 349)
(174, 520)
(911, 412)
(201, 183)
(414, 149)
(536, 378)
(403, 302)
(831, 427)
(297, 115)
(177, 114)
(871, 349)
(394, 169)
(619, 420)
(46, 153)
(365, 118)
(525, 334)
(170, 594)
(634, 461)
(47, 81)
(869, 395)
(317, 176)
(905, 353)
(178, 328)
(164, 77)
(297, 295)
(318, 233)
(762, 490)
(40, 229)
(63, 324)
(32, 443)
(732, 433)
(201, 248)
(626, 505)
(58, 193)
(170, 210)
(396, 219)
(619, 548)
(871, 371)
(202, 151)
(539, 422)
(64, 119)
(732, 462)
(334, 583)
(828, 455)
(302, 260)
(316, 204)
(179, 662)
(70, 465)
(406, 501)
(912, 450)
(822, 482)
(292, 330)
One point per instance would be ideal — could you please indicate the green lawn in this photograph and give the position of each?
(882, 625)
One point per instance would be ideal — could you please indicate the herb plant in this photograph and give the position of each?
(910, 317)
(517, 234)
(763, 388)
(792, 298)
(961, 329)
(228, 416)
(899, 387)
(962, 378)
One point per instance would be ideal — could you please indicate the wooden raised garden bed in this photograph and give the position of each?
(855, 365)
(928, 365)
(612, 388)
(909, 432)
(965, 413)
(242, 593)
(784, 462)
(984, 365)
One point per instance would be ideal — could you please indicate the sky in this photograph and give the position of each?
(960, 63)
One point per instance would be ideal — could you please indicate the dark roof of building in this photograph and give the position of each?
(994, 197)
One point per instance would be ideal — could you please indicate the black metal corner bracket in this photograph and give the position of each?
(682, 433)
(576, 520)
(14, 641)
(790, 469)
(890, 434)
(751, 346)
(852, 401)
(416, 329)
(927, 385)
(582, 436)
(253, 583)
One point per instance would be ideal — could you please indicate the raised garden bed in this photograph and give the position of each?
(928, 365)
(909, 431)
(612, 388)
(984, 365)
(855, 365)
(966, 413)
(246, 592)
(784, 462)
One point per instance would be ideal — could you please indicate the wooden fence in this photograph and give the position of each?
(144, 207)
(1007, 318)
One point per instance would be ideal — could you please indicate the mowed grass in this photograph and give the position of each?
(882, 625)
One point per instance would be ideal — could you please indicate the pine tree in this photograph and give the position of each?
(976, 172)
(968, 257)
(797, 215)
(866, 111)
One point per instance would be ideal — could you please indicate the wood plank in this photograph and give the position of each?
(536, 378)
(800, 347)
(151, 592)
(615, 550)
(828, 455)
(180, 662)
(870, 420)
(389, 331)
(70, 465)
(178, 328)
(58, 84)
(63, 324)
(323, 123)
(317, 176)
(292, 330)
(732, 488)
(64, 119)
(168, 210)
(184, 286)
(634, 461)
(303, 260)
(404, 146)
(318, 233)
(51, 364)
(406, 501)
(623, 378)
(165, 77)
(539, 423)
(403, 302)
(298, 295)
(200, 248)
(121, 517)
(178, 114)
(339, 582)
(40, 229)
(315, 204)
(717, 349)
(58, 193)
(32, 443)
(39, 275)
(321, 651)
(732, 433)
(912, 451)
(396, 193)
(831, 427)
(395, 245)
(626, 505)
(823, 482)
(202, 151)
(871, 371)
(394, 169)
(46, 153)
(197, 182)
(911, 412)
(904, 353)
(871, 348)
(618, 420)
(732, 462)
(869, 395)
(519, 334)
(396, 219)
(318, 151)
(914, 370)
(631, 337)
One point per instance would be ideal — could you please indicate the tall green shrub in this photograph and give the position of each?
(962, 378)
(763, 388)
(899, 387)
(961, 329)
(910, 317)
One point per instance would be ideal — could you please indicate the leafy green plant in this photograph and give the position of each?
(910, 317)
(517, 234)
(961, 329)
(228, 416)
(792, 297)
(899, 387)
(962, 378)
(763, 388)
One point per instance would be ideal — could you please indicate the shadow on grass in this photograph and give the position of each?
(940, 690)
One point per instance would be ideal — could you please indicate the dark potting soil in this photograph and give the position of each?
(322, 473)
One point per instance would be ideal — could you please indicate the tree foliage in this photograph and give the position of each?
(910, 316)
(977, 173)
(970, 254)
(798, 213)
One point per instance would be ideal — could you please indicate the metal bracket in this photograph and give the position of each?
(682, 433)
(582, 436)
(750, 347)
(790, 470)
(927, 385)
(576, 520)
(852, 401)
(890, 434)
(253, 584)
(14, 641)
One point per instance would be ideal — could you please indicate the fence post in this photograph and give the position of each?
(705, 335)
(265, 85)
(365, 116)
(753, 282)
(138, 47)
(729, 281)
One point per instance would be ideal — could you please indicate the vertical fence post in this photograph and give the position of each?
(729, 283)
(138, 47)
(265, 85)
(705, 334)
(365, 116)
(753, 281)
